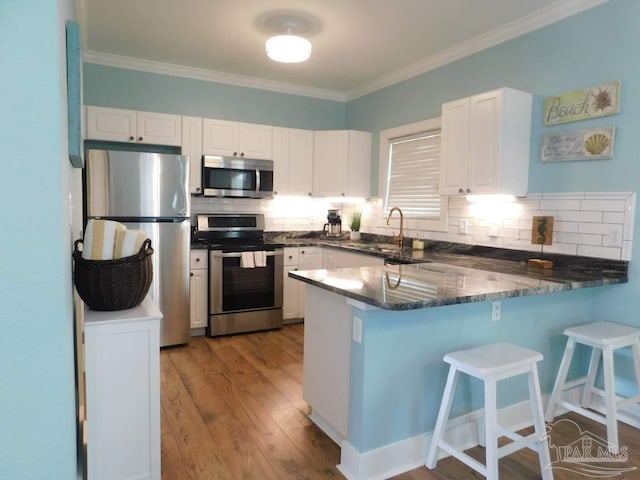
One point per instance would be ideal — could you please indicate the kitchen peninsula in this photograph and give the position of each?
(375, 338)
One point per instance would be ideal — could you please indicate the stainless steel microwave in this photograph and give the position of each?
(236, 177)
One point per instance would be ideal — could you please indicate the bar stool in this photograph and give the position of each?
(492, 363)
(603, 338)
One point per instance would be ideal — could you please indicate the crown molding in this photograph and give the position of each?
(541, 18)
(150, 66)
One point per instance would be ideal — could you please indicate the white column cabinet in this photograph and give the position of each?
(341, 163)
(192, 146)
(236, 139)
(122, 351)
(293, 161)
(119, 125)
(198, 289)
(485, 144)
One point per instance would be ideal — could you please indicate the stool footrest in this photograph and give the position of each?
(510, 434)
(523, 442)
(574, 383)
(583, 411)
(463, 457)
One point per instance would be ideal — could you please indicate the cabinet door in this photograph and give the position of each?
(159, 128)
(329, 260)
(219, 137)
(330, 163)
(192, 146)
(454, 147)
(290, 295)
(359, 164)
(310, 258)
(484, 143)
(280, 161)
(352, 260)
(198, 298)
(111, 124)
(300, 162)
(255, 141)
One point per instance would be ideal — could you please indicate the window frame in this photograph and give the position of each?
(386, 137)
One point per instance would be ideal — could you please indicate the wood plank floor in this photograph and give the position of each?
(232, 408)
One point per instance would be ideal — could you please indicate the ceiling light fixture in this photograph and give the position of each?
(288, 48)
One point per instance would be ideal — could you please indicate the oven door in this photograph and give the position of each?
(235, 177)
(237, 289)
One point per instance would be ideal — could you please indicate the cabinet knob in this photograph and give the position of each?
(197, 189)
(140, 139)
(302, 252)
(131, 138)
(468, 190)
(460, 190)
(343, 194)
(290, 257)
(191, 274)
(309, 193)
(242, 154)
(235, 154)
(197, 259)
(275, 193)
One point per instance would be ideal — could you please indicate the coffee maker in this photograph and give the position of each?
(333, 227)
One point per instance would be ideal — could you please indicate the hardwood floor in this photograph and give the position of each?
(232, 408)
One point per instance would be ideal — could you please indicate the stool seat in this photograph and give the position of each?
(603, 333)
(494, 359)
(492, 363)
(603, 338)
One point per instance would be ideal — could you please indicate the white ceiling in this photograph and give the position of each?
(359, 46)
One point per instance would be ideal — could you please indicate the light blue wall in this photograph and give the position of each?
(120, 88)
(594, 47)
(37, 400)
(397, 372)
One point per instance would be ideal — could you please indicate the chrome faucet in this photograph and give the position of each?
(396, 209)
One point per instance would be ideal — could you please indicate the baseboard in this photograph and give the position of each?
(396, 458)
(331, 432)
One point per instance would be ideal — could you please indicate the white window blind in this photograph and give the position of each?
(413, 175)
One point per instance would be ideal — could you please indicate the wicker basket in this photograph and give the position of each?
(118, 284)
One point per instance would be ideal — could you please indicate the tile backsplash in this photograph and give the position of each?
(588, 224)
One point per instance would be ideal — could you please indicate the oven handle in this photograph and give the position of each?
(276, 253)
(257, 181)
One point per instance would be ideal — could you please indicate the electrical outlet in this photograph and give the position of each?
(495, 311)
(357, 330)
(612, 239)
(462, 226)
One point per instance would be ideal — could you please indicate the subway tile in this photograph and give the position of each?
(564, 196)
(509, 233)
(613, 217)
(600, 252)
(562, 248)
(600, 228)
(565, 204)
(579, 238)
(529, 204)
(608, 195)
(604, 205)
(565, 226)
(574, 216)
(525, 235)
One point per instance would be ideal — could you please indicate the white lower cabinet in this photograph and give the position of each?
(122, 351)
(334, 258)
(198, 289)
(297, 258)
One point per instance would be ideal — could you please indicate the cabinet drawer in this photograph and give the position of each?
(291, 256)
(198, 259)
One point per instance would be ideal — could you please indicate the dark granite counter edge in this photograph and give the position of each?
(521, 292)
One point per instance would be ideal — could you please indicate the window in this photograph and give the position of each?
(410, 172)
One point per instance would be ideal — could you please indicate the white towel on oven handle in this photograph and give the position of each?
(260, 258)
(247, 260)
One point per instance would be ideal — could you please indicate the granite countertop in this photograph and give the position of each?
(447, 274)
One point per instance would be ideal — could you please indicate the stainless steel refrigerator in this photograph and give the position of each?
(149, 192)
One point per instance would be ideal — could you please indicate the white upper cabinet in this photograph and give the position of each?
(236, 139)
(118, 125)
(485, 144)
(293, 161)
(192, 146)
(341, 163)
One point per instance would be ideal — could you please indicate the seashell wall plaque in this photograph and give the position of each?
(588, 144)
(598, 101)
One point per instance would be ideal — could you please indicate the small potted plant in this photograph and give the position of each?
(355, 220)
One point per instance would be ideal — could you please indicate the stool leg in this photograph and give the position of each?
(538, 422)
(490, 428)
(591, 377)
(610, 399)
(560, 379)
(635, 351)
(443, 415)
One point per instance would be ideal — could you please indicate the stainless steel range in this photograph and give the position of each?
(245, 273)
